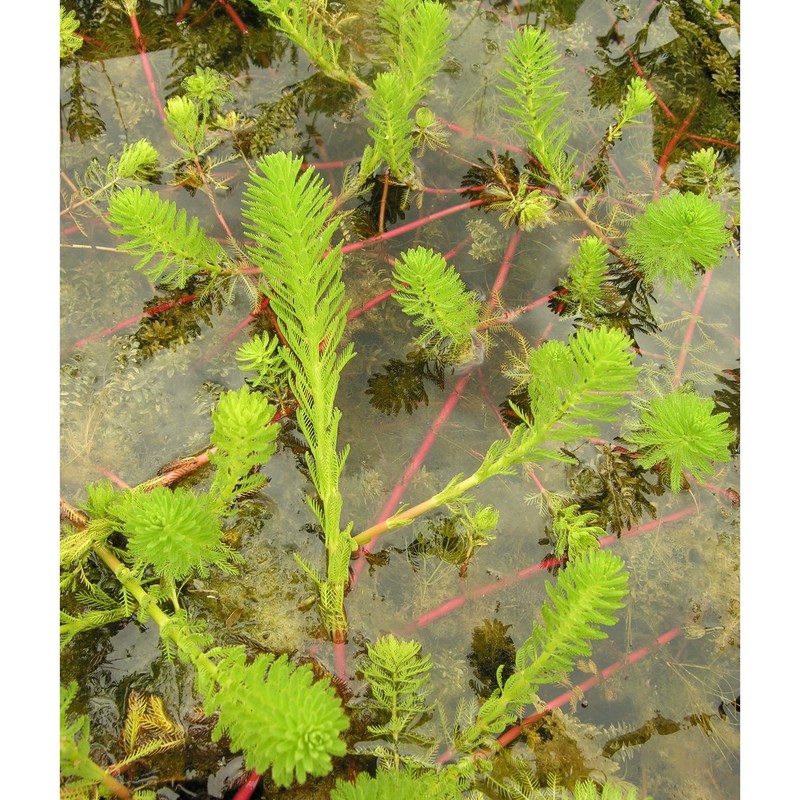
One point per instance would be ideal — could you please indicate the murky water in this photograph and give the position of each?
(138, 388)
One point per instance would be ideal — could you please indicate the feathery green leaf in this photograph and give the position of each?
(244, 438)
(537, 100)
(388, 110)
(208, 88)
(682, 430)
(69, 42)
(157, 229)
(278, 715)
(289, 214)
(431, 291)
(584, 283)
(675, 234)
(587, 593)
(638, 99)
(175, 532)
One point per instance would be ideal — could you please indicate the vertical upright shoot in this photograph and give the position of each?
(288, 212)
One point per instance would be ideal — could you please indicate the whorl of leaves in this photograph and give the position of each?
(175, 532)
(682, 431)
(433, 294)
(244, 439)
(676, 234)
(584, 283)
(278, 715)
(586, 595)
(537, 102)
(393, 784)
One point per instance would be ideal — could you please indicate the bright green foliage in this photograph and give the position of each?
(703, 174)
(138, 161)
(81, 777)
(183, 119)
(244, 438)
(208, 88)
(682, 430)
(587, 593)
(433, 294)
(175, 532)
(584, 283)
(396, 675)
(158, 229)
(416, 42)
(587, 378)
(278, 715)
(575, 533)
(537, 102)
(674, 234)
(262, 355)
(394, 784)
(571, 387)
(69, 43)
(429, 133)
(101, 609)
(75, 743)
(391, 127)
(519, 782)
(303, 24)
(638, 99)
(288, 213)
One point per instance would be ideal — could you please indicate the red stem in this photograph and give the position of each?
(187, 4)
(495, 586)
(640, 72)
(481, 137)
(414, 465)
(246, 789)
(512, 733)
(505, 266)
(234, 16)
(410, 226)
(687, 338)
(137, 34)
(89, 40)
(377, 300)
(444, 413)
(673, 142)
(133, 320)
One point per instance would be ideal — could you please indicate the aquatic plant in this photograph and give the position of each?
(430, 291)
(159, 540)
(676, 234)
(682, 431)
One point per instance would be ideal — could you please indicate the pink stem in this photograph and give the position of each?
(133, 320)
(680, 132)
(481, 137)
(231, 11)
(148, 72)
(248, 787)
(512, 733)
(377, 300)
(687, 339)
(505, 266)
(410, 226)
(495, 586)
(415, 463)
